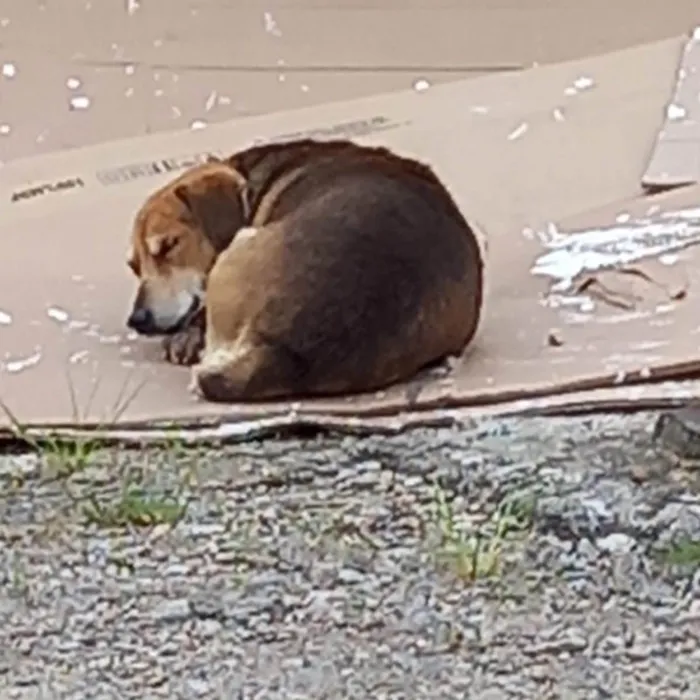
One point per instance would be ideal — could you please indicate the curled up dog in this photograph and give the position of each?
(303, 269)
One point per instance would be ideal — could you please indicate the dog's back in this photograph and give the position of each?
(361, 272)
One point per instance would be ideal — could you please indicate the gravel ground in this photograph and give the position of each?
(537, 558)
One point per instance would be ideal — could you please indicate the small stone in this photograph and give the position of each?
(540, 673)
(641, 473)
(586, 550)
(209, 628)
(206, 529)
(571, 643)
(679, 432)
(198, 687)
(173, 611)
(177, 570)
(616, 543)
(206, 608)
(639, 653)
(156, 679)
(350, 576)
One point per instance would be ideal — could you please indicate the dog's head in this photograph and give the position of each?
(177, 235)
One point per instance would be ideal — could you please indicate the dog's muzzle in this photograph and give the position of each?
(142, 321)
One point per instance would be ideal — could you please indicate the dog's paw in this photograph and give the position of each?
(185, 347)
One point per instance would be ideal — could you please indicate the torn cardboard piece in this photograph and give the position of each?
(516, 150)
(675, 159)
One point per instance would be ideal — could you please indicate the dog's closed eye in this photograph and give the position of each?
(160, 246)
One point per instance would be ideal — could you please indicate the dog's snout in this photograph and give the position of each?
(142, 321)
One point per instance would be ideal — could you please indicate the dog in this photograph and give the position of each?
(305, 269)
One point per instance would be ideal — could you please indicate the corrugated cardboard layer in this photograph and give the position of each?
(675, 159)
(517, 150)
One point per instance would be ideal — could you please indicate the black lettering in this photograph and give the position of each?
(135, 171)
(46, 188)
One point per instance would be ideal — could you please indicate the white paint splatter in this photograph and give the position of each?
(583, 83)
(558, 115)
(80, 356)
(57, 314)
(73, 83)
(675, 112)
(518, 132)
(197, 124)
(132, 6)
(421, 85)
(9, 70)
(22, 363)
(5, 318)
(211, 101)
(270, 24)
(579, 85)
(79, 102)
(620, 377)
(5, 129)
(619, 244)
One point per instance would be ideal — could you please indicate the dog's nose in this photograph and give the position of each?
(141, 320)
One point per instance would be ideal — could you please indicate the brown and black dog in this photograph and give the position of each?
(304, 269)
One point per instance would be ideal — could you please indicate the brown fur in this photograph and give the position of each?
(329, 268)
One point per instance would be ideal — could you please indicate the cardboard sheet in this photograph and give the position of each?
(675, 159)
(80, 72)
(517, 150)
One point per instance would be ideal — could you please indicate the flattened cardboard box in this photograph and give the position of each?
(516, 150)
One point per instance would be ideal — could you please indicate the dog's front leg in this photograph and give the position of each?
(185, 346)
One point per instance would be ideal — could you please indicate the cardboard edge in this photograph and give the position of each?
(666, 395)
(651, 180)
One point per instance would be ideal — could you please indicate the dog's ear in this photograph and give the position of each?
(216, 202)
